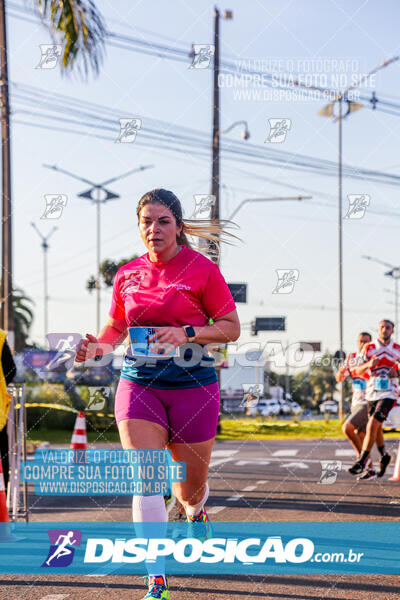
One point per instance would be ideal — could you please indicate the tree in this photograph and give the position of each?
(108, 270)
(80, 29)
(23, 318)
(322, 378)
(301, 389)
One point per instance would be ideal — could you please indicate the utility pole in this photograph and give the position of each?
(215, 167)
(45, 247)
(7, 313)
(340, 249)
(215, 171)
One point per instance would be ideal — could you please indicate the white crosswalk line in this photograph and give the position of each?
(55, 597)
(262, 481)
(287, 452)
(344, 452)
(242, 463)
(220, 453)
(213, 510)
(295, 465)
(234, 498)
(249, 488)
(221, 456)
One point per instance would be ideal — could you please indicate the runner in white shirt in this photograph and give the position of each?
(382, 359)
(354, 427)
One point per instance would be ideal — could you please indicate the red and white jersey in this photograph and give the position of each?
(359, 385)
(380, 385)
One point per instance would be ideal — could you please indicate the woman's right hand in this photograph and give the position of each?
(86, 348)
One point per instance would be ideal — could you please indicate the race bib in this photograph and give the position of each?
(359, 384)
(381, 383)
(140, 346)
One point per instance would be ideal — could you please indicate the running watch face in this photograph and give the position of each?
(190, 332)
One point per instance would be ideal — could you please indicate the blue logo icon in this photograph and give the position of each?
(62, 542)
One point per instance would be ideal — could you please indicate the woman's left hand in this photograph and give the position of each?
(166, 339)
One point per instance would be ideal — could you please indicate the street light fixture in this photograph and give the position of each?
(277, 199)
(98, 194)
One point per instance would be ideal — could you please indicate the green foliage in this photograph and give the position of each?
(79, 27)
(108, 270)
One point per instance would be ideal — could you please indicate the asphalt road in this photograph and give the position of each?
(249, 481)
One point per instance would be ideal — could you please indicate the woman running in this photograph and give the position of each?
(170, 404)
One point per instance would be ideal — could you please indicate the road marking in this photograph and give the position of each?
(55, 597)
(344, 452)
(262, 481)
(295, 465)
(234, 498)
(287, 452)
(241, 463)
(228, 455)
(249, 488)
(224, 452)
(213, 510)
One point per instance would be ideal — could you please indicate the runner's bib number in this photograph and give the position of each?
(381, 383)
(359, 384)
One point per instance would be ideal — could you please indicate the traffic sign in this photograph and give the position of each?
(238, 291)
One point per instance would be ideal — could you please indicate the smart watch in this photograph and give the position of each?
(190, 332)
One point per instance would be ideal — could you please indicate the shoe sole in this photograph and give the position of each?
(381, 473)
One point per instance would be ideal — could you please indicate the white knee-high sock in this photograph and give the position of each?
(193, 509)
(151, 509)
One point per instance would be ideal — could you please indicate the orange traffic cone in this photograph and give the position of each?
(396, 474)
(79, 439)
(5, 532)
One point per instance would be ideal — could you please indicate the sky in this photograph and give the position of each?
(352, 38)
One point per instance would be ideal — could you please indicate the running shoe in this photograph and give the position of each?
(383, 463)
(368, 474)
(158, 588)
(357, 468)
(200, 526)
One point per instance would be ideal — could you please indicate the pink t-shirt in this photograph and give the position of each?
(188, 289)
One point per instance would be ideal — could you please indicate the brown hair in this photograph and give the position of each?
(212, 230)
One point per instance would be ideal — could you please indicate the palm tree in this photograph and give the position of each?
(23, 318)
(79, 27)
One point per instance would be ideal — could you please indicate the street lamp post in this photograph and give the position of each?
(98, 194)
(45, 247)
(394, 273)
(327, 111)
